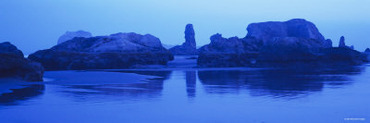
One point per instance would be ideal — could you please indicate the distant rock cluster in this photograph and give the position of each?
(189, 47)
(121, 50)
(276, 44)
(70, 35)
(13, 64)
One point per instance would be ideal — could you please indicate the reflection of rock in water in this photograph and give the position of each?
(148, 89)
(162, 74)
(190, 83)
(22, 94)
(277, 82)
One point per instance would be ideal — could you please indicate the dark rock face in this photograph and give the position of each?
(121, 50)
(13, 64)
(340, 56)
(189, 46)
(290, 49)
(276, 44)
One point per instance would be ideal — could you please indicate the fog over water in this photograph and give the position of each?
(37, 24)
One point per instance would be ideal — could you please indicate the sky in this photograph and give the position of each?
(37, 24)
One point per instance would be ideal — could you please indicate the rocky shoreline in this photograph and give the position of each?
(295, 42)
(116, 51)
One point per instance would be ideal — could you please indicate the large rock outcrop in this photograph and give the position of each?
(274, 44)
(70, 35)
(189, 47)
(13, 64)
(116, 51)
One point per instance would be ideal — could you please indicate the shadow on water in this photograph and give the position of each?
(148, 89)
(277, 83)
(22, 94)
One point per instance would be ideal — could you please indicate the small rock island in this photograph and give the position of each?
(116, 51)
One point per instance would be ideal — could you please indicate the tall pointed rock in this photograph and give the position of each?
(190, 36)
(189, 47)
(342, 42)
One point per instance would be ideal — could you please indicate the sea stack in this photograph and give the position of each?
(342, 42)
(189, 47)
(13, 64)
(70, 35)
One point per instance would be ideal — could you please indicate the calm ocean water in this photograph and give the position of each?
(253, 95)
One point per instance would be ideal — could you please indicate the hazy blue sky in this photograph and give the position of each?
(36, 24)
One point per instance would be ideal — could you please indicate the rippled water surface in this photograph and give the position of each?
(197, 95)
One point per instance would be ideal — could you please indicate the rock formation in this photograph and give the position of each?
(121, 50)
(274, 44)
(70, 35)
(189, 47)
(13, 64)
(342, 42)
(299, 28)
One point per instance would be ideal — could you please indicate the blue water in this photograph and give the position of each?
(200, 95)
